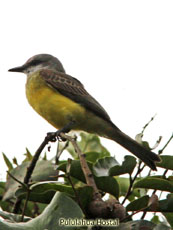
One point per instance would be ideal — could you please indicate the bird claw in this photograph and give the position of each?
(52, 136)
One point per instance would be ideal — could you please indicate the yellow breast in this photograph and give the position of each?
(57, 109)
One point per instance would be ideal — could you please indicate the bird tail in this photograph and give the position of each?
(148, 157)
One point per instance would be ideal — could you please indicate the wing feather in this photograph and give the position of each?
(73, 89)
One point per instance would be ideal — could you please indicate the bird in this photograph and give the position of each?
(62, 100)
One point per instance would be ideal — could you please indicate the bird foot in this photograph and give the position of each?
(54, 136)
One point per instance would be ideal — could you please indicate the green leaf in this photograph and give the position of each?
(108, 166)
(44, 191)
(13, 217)
(124, 185)
(138, 204)
(28, 155)
(60, 207)
(107, 184)
(166, 205)
(102, 166)
(146, 225)
(44, 198)
(169, 217)
(85, 195)
(155, 220)
(45, 157)
(88, 143)
(155, 183)
(7, 162)
(15, 161)
(127, 166)
(43, 171)
(145, 144)
(75, 170)
(42, 187)
(94, 156)
(2, 187)
(167, 162)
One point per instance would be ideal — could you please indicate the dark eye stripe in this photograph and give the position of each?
(35, 62)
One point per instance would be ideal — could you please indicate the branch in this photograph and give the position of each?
(161, 150)
(132, 180)
(87, 172)
(50, 137)
(146, 125)
(30, 170)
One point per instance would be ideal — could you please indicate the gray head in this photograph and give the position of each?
(38, 62)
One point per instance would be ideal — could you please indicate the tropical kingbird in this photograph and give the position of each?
(62, 99)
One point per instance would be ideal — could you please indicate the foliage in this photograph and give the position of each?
(51, 198)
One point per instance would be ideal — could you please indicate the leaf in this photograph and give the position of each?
(88, 143)
(108, 166)
(167, 162)
(127, 166)
(44, 198)
(155, 219)
(61, 207)
(124, 185)
(166, 205)
(145, 144)
(15, 161)
(2, 187)
(13, 217)
(102, 166)
(7, 162)
(28, 155)
(45, 157)
(106, 184)
(43, 171)
(138, 204)
(94, 156)
(146, 225)
(42, 187)
(169, 217)
(155, 183)
(44, 191)
(85, 195)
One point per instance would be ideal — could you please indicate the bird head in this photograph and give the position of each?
(38, 62)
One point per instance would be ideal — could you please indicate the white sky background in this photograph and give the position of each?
(122, 51)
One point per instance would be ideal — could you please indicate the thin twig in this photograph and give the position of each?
(143, 215)
(146, 125)
(161, 150)
(25, 205)
(14, 178)
(157, 143)
(134, 213)
(132, 180)
(87, 172)
(164, 173)
(30, 171)
(75, 192)
(59, 152)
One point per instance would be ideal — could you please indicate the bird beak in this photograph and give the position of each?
(18, 69)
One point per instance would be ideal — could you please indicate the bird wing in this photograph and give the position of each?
(73, 89)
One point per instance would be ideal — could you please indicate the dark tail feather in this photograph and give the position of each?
(148, 157)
